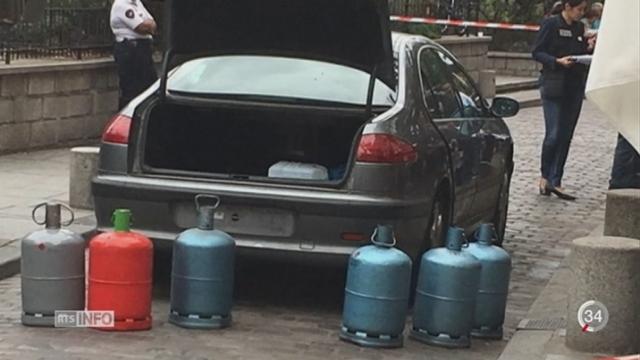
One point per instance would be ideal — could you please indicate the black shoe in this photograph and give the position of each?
(543, 187)
(561, 195)
(544, 191)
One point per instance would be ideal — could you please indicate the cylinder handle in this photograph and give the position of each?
(44, 222)
(374, 240)
(204, 196)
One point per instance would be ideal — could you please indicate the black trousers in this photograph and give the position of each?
(135, 68)
(626, 166)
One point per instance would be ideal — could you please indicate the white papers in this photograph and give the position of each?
(582, 59)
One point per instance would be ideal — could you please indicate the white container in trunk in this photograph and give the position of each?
(294, 170)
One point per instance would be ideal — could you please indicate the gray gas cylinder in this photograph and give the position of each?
(202, 274)
(446, 294)
(52, 267)
(491, 302)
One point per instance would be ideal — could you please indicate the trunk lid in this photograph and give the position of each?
(349, 32)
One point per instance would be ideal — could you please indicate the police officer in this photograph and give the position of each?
(562, 89)
(133, 28)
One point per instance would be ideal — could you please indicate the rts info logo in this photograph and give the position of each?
(94, 319)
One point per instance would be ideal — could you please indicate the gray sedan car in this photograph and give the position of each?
(312, 123)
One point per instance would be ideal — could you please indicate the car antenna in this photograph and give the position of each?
(165, 74)
(372, 82)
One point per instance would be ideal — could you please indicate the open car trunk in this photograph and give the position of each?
(245, 143)
(349, 32)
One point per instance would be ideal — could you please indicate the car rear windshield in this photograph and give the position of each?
(272, 76)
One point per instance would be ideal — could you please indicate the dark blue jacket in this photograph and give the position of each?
(557, 39)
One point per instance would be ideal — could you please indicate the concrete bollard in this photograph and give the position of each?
(487, 83)
(605, 269)
(84, 166)
(622, 217)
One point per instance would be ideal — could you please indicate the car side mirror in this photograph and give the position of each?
(504, 107)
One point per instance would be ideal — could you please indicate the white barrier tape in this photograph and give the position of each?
(481, 24)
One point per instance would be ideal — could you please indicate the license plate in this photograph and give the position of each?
(240, 220)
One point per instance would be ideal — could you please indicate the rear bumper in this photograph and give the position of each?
(316, 218)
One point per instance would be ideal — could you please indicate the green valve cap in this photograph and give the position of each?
(121, 219)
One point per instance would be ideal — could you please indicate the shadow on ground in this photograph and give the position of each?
(260, 282)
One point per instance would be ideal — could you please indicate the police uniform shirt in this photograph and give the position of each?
(126, 15)
(558, 39)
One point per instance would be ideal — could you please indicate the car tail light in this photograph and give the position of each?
(117, 130)
(385, 148)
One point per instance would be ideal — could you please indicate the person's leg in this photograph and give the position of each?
(625, 172)
(150, 74)
(145, 71)
(126, 72)
(568, 119)
(551, 108)
(139, 65)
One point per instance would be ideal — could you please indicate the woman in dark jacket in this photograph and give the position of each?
(562, 89)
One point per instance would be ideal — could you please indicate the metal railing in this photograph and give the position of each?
(470, 10)
(442, 9)
(62, 33)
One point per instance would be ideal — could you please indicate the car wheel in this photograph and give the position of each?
(438, 222)
(502, 209)
(434, 235)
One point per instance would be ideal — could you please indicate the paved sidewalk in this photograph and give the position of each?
(540, 229)
(549, 309)
(29, 179)
(541, 336)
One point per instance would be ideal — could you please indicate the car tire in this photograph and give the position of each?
(434, 234)
(502, 209)
(438, 222)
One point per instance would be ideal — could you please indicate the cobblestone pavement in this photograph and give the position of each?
(292, 312)
(540, 229)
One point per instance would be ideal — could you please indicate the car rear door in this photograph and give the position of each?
(477, 124)
(445, 108)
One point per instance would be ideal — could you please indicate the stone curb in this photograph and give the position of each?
(529, 103)
(517, 86)
(9, 259)
(526, 98)
(10, 252)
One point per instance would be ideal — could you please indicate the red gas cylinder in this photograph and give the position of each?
(120, 275)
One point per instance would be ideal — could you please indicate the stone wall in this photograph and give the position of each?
(471, 52)
(514, 64)
(56, 103)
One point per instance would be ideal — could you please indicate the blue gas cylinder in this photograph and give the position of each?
(202, 274)
(446, 294)
(377, 293)
(494, 284)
